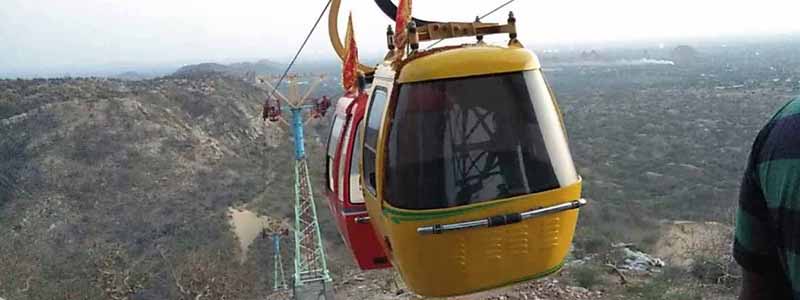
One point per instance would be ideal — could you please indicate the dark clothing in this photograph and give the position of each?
(767, 239)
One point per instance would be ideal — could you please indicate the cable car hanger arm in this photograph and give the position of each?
(427, 30)
(336, 41)
(501, 220)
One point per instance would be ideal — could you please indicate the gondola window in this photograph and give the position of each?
(371, 137)
(456, 142)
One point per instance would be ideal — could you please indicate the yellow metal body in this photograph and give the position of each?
(473, 260)
(468, 61)
(469, 261)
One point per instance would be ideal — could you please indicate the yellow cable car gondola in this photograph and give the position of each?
(466, 170)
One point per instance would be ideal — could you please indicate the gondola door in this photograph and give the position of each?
(344, 188)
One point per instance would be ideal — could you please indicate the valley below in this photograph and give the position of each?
(159, 188)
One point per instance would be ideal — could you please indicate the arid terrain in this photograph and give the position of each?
(124, 189)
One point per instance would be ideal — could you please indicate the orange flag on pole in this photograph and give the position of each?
(350, 68)
(403, 17)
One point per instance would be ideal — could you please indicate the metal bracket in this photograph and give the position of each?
(437, 31)
(502, 220)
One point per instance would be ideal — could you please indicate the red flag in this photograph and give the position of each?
(403, 17)
(350, 68)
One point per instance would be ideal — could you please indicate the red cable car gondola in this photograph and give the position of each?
(344, 187)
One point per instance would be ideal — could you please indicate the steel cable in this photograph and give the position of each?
(286, 72)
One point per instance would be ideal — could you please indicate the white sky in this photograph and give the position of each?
(72, 33)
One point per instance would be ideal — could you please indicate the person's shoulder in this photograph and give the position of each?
(778, 139)
(792, 108)
(783, 123)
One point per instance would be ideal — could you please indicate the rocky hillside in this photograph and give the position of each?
(113, 188)
(121, 189)
(261, 67)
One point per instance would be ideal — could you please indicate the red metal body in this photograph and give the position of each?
(343, 185)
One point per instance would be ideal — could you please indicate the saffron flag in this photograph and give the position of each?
(350, 68)
(403, 17)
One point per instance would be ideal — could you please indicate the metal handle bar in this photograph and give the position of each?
(502, 219)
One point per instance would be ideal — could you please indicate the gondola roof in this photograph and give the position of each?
(466, 61)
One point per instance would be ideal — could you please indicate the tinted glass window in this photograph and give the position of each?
(371, 137)
(336, 133)
(343, 160)
(462, 141)
(374, 116)
(333, 142)
(356, 196)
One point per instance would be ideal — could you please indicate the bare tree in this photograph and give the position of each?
(211, 275)
(116, 274)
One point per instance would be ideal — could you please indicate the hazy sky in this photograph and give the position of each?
(46, 34)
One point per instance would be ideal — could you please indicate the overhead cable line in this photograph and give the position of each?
(480, 18)
(286, 72)
(496, 9)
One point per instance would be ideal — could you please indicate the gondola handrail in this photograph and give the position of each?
(501, 220)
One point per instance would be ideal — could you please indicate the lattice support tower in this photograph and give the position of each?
(310, 264)
(276, 230)
(311, 278)
(278, 275)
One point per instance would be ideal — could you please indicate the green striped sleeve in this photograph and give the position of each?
(751, 234)
(780, 183)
